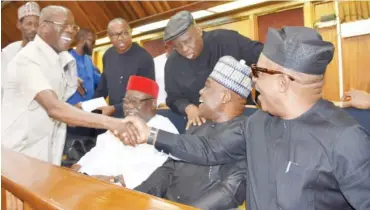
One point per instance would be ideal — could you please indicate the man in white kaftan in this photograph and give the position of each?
(28, 22)
(26, 127)
(40, 79)
(110, 157)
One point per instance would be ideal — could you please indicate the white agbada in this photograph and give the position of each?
(159, 64)
(110, 157)
(7, 54)
(26, 127)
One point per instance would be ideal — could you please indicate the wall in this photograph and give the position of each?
(355, 49)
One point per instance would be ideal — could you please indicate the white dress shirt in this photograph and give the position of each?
(110, 157)
(159, 64)
(26, 126)
(7, 54)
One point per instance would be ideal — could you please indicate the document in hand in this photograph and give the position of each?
(92, 104)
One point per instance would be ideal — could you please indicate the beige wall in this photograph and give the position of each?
(356, 50)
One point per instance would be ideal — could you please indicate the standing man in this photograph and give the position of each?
(159, 63)
(87, 73)
(120, 62)
(41, 79)
(28, 22)
(196, 53)
(303, 152)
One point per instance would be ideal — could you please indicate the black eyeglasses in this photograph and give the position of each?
(74, 27)
(135, 102)
(256, 70)
(123, 34)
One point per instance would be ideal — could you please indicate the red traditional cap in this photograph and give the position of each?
(144, 85)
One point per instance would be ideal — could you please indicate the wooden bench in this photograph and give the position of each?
(28, 184)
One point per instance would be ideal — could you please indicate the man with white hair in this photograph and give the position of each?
(41, 77)
(28, 22)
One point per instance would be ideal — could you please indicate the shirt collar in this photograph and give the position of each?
(66, 58)
(46, 48)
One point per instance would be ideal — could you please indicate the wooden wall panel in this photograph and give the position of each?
(154, 47)
(331, 87)
(356, 63)
(292, 17)
(355, 50)
(241, 26)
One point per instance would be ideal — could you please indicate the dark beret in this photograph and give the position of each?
(177, 25)
(300, 49)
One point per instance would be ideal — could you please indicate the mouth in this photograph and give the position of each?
(66, 38)
(190, 56)
(130, 113)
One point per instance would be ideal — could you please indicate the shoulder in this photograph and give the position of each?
(163, 123)
(173, 59)
(143, 53)
(110, 51)
(29, 54)
(12, 46)
(221, 34)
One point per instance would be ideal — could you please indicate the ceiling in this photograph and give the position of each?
(96, 14)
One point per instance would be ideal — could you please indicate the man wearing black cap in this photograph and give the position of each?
(303, 152)
(196, 53)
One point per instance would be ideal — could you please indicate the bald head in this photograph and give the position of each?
(117, 21)
(48, 12)
(57, 27)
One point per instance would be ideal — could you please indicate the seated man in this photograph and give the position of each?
(303, 152)
(210, 187)
(112, 158)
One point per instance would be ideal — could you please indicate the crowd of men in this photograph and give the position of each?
(298, 151)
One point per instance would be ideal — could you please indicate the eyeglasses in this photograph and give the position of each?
(74, 27)
(256, 70)
(123, 34)
(135, 102)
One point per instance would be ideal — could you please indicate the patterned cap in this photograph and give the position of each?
(28, 9)
(298, 48)
(234, 75)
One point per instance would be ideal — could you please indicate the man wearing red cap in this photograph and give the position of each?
(111, 158)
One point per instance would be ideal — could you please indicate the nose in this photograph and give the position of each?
(34, 27)
(201, 91)
(184, 48)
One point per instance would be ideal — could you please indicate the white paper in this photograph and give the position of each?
(92, 104)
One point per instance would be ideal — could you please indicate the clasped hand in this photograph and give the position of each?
(132, 131)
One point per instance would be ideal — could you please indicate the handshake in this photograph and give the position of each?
(132, 131)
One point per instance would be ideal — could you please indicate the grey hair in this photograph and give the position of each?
(116, 21)
(50, 11)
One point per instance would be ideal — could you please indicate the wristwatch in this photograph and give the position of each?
(152, 135)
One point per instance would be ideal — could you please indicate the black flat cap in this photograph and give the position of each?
(300, 49)
(177, 25)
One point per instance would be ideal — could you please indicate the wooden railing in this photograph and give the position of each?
(27, 183)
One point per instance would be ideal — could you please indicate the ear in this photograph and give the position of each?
(284, 83)
(154, 104)
(19, 25)
(226, 97)
(199, 31)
